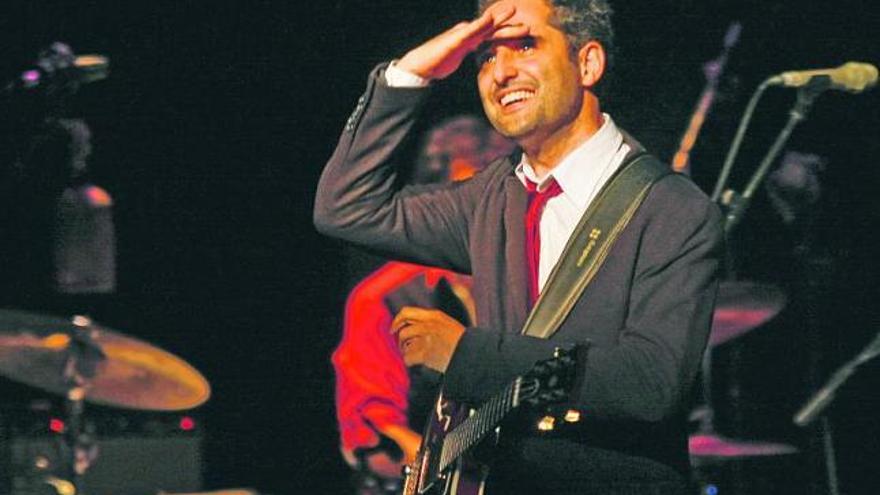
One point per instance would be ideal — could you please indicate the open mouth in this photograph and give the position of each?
(512, 98)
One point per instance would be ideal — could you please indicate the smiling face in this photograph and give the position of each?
(530, 86)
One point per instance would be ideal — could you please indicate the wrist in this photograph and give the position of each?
(398, 76)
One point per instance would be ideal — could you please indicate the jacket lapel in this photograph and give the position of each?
(516, 280)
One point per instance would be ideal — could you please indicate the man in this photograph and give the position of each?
(381, 408)
(647, 311)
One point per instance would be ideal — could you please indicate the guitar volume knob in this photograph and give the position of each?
(572, 416)
(547, 423)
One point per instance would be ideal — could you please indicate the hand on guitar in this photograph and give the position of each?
(407, 440)
(384, 462)
(426, 336)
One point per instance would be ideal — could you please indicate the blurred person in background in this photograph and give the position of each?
(381, 405)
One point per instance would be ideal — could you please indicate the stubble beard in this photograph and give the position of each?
(530, 126)
(519, 125)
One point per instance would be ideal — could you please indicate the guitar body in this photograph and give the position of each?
(425, 476)
(444, 465)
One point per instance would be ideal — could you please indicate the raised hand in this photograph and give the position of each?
(426, 336)
(442, 55)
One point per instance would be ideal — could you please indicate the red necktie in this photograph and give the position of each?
(537, 201)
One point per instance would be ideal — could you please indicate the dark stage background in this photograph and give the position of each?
(217, 117)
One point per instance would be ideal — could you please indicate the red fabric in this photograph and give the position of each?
(371, 380)
(537, 202)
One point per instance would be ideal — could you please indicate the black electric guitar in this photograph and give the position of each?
(442, 466)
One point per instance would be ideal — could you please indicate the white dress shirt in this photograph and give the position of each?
(580, 175)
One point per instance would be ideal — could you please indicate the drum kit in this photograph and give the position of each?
(740, 308)
(85, 362)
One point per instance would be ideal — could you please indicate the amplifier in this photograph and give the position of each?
(126, 465)
(137, 452)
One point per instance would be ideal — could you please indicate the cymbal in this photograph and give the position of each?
(113, 369)
(708, 447)
(742, 306)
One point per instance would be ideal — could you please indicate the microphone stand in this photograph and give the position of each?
(737, 204)
(823, 397)
(820, 400)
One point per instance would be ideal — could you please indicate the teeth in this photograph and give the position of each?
(515, 96)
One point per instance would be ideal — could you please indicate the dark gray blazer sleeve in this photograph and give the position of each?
(646, 373)
(357, 199)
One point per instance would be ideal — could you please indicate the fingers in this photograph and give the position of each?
(408, 326)
(511, 31)
(442, 55)
(413, 351)
(412, 345)
(409, 336)
(405, 328)
(409, 315)
(398, 323)
(485, 26)
(426, 336)
(500, 13)
(488, 19)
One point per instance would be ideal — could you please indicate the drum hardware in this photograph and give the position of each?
(822, 398)
(744, 306)
(86, 362)
(851, 77)
(741, 307)
(706, 447)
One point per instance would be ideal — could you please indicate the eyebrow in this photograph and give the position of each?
(492, 43)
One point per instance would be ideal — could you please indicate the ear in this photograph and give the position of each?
(591, 63)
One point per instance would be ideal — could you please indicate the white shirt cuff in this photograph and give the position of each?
(399, 78)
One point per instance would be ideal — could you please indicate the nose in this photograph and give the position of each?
(504, 67)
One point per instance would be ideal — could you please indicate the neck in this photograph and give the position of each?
(546, 152)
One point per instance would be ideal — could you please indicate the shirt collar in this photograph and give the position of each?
(580, 170)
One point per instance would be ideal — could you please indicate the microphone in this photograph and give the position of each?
(853, 77)
(91, 67)
(84, 69)
(84, 248)
(58, 65)
(84, 241)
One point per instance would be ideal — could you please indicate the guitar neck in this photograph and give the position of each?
(473, 429)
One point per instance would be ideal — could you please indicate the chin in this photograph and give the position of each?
(517, 131)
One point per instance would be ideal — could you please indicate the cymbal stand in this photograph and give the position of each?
(823, 398)
(707, 413)
(735, 204)
(830, 457)
(80, 366)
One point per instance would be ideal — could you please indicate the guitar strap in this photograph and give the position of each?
(588, 246)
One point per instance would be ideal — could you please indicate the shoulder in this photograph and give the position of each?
(677, 212)
(672, 195)
(676, 193)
